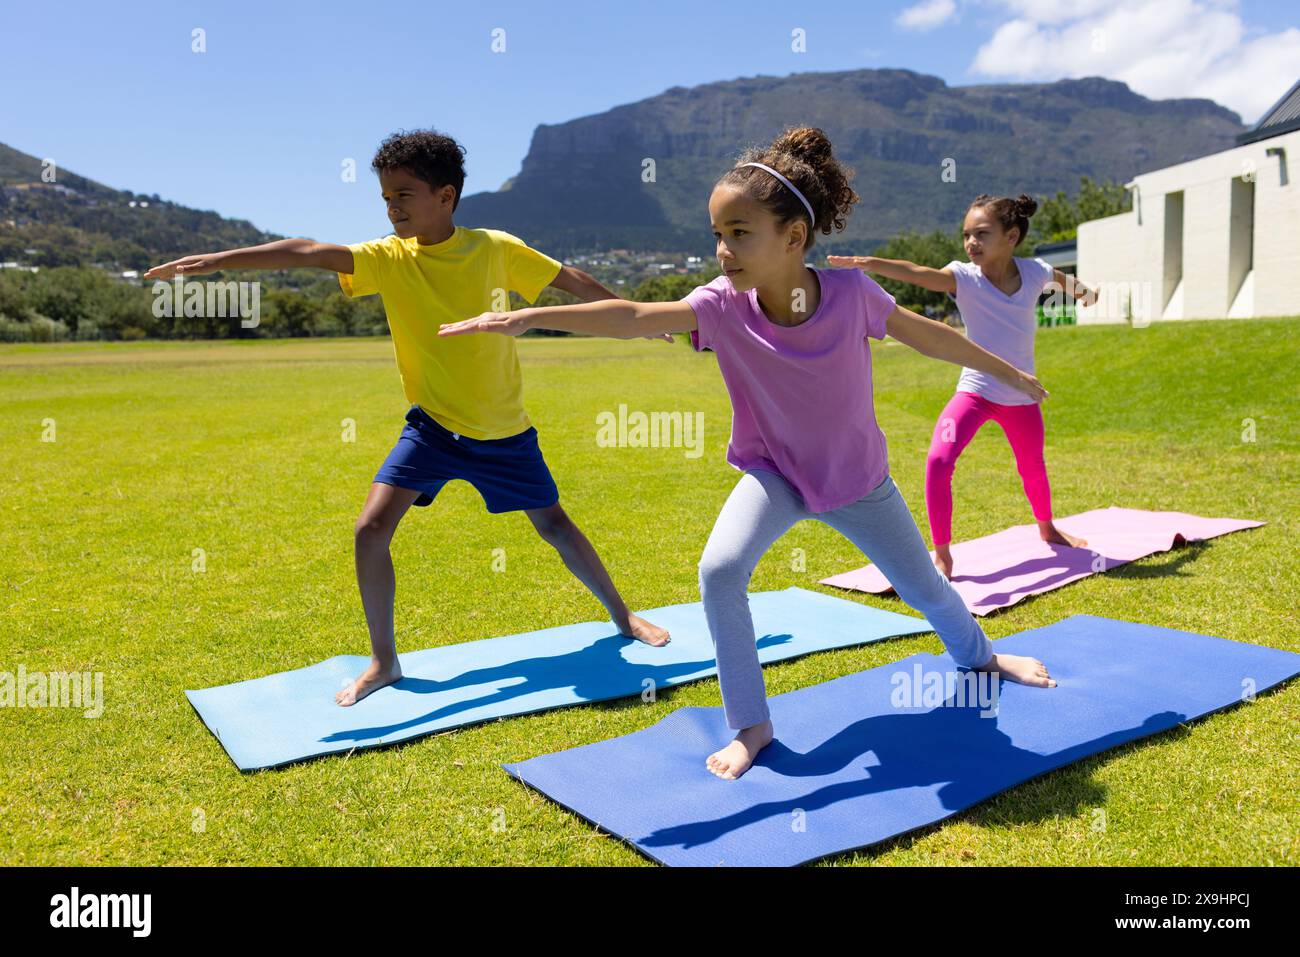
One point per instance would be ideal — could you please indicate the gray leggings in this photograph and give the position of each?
(763, 507)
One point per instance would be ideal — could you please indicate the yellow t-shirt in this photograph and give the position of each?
(468, 384)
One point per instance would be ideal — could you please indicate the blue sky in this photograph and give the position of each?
(257, 127)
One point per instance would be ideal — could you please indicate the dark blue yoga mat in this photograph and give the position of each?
(851, 767)
(287, 717)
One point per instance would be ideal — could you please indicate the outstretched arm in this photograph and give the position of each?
(588, 288)
(941, 341)
(936, 280)
(612, 318)
(281, 254)
(1074, 289)
(585, 286)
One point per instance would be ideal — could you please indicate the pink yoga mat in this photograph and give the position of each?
(998, 570)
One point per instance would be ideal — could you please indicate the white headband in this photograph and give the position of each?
(806, 205)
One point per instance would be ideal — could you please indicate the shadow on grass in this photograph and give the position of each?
(1164, 565)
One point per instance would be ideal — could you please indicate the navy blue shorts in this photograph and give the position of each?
(509, 473)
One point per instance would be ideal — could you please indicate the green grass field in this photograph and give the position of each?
(235, 448)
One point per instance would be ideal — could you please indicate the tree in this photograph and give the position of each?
(287, 313)
(671, 288)
(935, 249)
(1059, 216)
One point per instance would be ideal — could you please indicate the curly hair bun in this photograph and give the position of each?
(807, 143)
(1010, 213)
(804, 155)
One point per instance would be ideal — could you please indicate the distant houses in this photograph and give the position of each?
(1214, 237)
(122, 275)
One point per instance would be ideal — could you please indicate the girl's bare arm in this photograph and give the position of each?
(940, 341)
(1074, 289)
(936, 280)
(612, 318)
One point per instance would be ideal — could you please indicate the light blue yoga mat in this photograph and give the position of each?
(853, 765)
(290, 716)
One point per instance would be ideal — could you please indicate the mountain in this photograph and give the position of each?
(75, 220)
(580, 186)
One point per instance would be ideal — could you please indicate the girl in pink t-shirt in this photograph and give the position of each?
(791, 344)
(997, 295)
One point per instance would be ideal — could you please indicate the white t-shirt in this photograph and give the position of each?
(1004, 325)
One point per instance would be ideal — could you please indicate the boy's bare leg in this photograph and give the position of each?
(555, 526)
(384, 508)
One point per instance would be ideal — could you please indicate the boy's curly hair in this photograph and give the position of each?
(425, 154)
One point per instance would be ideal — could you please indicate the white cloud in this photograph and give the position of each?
(1055, 11)
(1160, 48)
(926, 15)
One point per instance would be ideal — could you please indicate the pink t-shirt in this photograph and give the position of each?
(801, 395)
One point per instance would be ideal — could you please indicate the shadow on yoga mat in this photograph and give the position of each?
(999, 570)
(872, 755)
(287, 717)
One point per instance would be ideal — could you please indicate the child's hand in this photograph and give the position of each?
(855, 262)
(1083, 295)
(509, 323)
(188, 266)
(1027, 384)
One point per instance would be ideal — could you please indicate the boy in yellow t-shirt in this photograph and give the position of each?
(466, 419)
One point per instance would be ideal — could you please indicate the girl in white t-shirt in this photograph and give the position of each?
(997, 295)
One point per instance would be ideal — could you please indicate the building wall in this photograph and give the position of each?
(1277, 232)
(1133, 256)
(1111, 257)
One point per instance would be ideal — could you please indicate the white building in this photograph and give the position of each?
(1211, 238)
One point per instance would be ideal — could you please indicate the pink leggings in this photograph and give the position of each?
(960, 420)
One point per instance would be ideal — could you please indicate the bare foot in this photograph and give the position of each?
(943, 560)
(734, 760)
(1050, 533)
(1021, 668)
(642, 630)
(372, 679)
